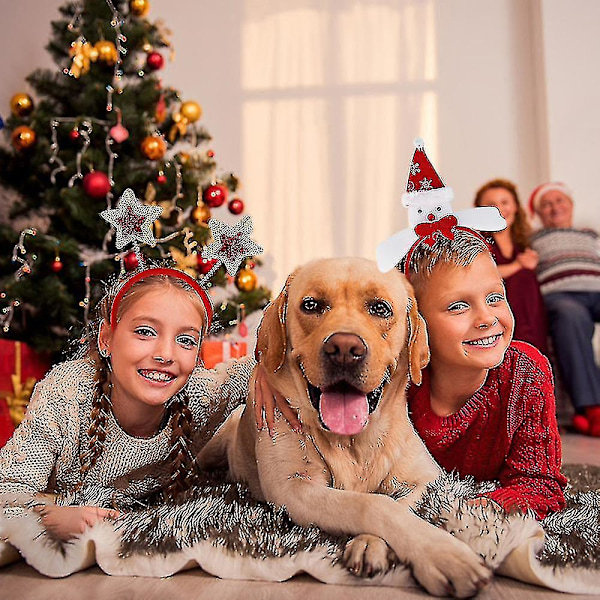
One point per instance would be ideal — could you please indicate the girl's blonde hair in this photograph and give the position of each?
(184, 467)
(520, 230)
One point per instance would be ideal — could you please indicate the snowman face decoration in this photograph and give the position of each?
(427, 212)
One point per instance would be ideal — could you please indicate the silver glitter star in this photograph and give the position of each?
(132, 220)
(232, 244)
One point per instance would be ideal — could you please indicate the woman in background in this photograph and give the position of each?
(517, 262)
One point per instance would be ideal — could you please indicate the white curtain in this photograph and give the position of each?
(334, 92)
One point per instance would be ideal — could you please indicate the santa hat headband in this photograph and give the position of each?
(541, 190)
(430, 214)
(424, 185)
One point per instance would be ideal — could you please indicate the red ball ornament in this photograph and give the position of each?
(161, 179)
(155, 61)
(204, 266)
(215, 195)
(57, 265)
(96, 184)
(210, 153)
(131, 262)
(74, 134)
(236, 206)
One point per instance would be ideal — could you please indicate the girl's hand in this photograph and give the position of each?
(66, 522)
(266, 399)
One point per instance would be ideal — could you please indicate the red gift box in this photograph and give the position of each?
(216, 351)
(20, 368)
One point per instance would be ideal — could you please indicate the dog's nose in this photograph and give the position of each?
(344, 349)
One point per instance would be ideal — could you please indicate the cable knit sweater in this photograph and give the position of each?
(506, 431)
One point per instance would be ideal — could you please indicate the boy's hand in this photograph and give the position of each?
(266, 399)
(66, 522)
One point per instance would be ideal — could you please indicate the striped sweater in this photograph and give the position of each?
(569, 260)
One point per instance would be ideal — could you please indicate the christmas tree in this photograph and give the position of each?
(100, 123)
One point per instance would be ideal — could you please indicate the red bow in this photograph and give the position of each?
(444, 226)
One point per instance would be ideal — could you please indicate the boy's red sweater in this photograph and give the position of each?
(506, 431)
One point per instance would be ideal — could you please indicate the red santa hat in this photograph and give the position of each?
(541, 190)
(424, 184)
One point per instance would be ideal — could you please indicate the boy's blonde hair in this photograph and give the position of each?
(458, 252)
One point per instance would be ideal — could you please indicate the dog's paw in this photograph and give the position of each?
(368, 556)
(451, 569)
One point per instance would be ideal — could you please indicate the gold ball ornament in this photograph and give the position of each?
(191, 110)
(200, 214)
(107, 52)
(23, 137)
(246, 280)
(153, 147)
(21, 105)
(139, 8)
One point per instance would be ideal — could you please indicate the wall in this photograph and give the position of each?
(508, 88)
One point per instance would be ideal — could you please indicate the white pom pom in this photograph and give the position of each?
(419, 143)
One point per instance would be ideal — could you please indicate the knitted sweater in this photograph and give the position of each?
(506, 431)
(44, 454)
(569, 260)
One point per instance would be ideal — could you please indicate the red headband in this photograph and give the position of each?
(208, 309)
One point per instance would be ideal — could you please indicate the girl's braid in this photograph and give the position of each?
(183, 466)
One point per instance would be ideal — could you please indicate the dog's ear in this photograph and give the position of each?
(418, 345)
(271, 344)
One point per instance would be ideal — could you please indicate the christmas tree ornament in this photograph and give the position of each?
(21, 105)
(200, 214)
(215, 195)
(1, 123)
(160, 112)
(246, 280)
(203, 265)
(161, 178)
(210, 154)
(139, 8)
(57, 265)
(23, 137)
(153, 147)
(185, 262)
(242, 327)
(131, 262)
(155, 61)
(82, 54)
(236, 206)
(231, 244)
(74, 134)
(106, 52)
(132, 220)
(430, 213)
(119, 133)
(191, 110)
(96, 184)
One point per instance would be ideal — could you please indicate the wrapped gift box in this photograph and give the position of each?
(215, 351)
(20, 368)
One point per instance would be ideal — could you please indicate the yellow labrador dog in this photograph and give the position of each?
(340, 342)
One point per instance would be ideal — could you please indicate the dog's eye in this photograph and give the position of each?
(310, 305)
(380, 308)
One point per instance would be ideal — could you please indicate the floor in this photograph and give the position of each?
(20, 582)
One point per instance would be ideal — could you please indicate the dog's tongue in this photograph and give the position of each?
(344, 412)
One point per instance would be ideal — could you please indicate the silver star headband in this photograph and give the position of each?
(230, 245)
(132, 220)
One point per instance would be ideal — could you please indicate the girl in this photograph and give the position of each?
(486, 404)
(130, 415)
(516, 262)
